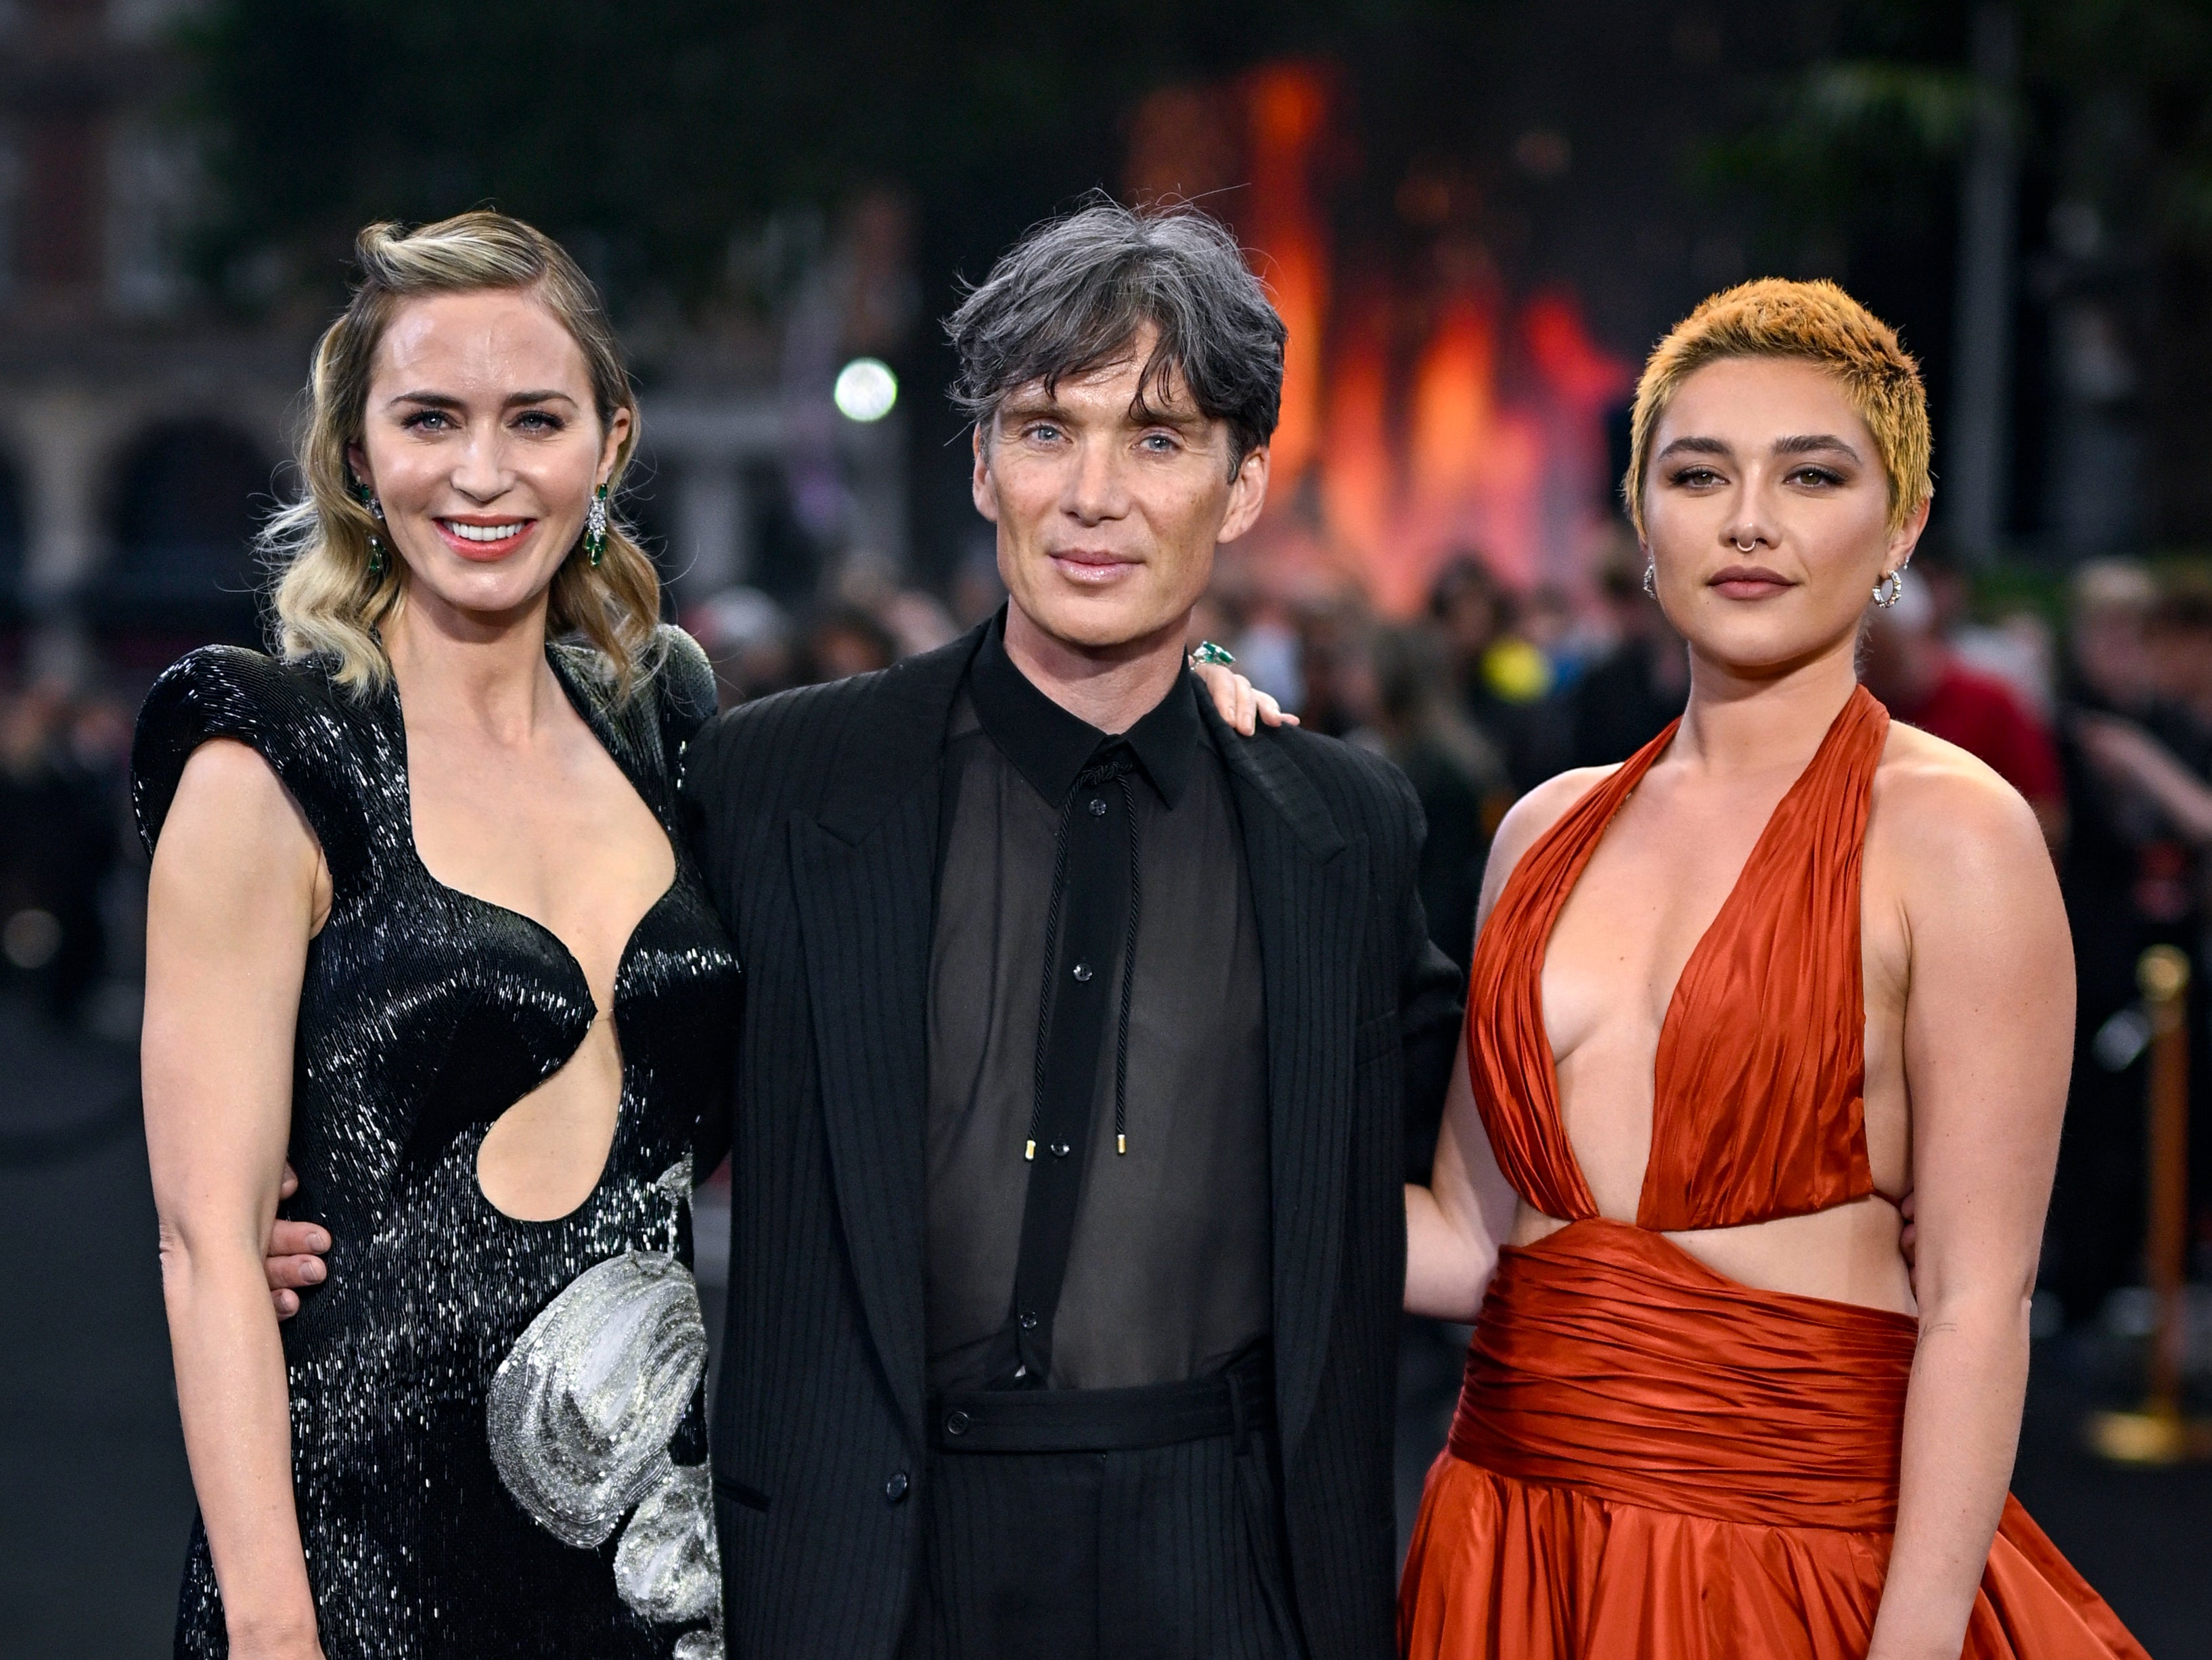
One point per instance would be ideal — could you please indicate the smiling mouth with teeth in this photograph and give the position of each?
(487, 532)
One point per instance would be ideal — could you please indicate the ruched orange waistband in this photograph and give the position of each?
(1608, 1360)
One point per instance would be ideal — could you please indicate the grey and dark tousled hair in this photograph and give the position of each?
(1075, 293)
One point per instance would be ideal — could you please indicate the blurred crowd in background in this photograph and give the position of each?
(2092, 695)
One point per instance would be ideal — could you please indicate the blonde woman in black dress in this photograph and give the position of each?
(420, 919)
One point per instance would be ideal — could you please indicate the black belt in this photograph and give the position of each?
(1237, 1401)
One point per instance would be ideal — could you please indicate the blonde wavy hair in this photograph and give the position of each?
(1817, 323)
(329, 602)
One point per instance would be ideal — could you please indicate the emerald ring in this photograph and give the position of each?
(1206, 651)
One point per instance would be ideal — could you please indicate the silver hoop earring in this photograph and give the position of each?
(1651, 579)
(1895, 583)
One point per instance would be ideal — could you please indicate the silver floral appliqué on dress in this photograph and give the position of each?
(579, 1417)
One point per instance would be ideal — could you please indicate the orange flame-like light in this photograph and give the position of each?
(1489, 436)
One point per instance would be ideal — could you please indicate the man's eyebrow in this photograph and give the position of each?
(1814, 443)
(1152, 415)
(1029, 401)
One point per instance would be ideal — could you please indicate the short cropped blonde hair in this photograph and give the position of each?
(1819, 324)
(329, 601)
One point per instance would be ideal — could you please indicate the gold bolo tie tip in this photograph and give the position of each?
(1121, 1144)
(1029, 1152)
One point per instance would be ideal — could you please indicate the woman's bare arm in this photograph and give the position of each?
(237, 889)
(1455, 1225)
(1989, 1025)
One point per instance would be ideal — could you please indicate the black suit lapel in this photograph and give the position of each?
(1309, 899)
(865, 875)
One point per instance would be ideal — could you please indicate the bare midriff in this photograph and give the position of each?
(1846, 1254)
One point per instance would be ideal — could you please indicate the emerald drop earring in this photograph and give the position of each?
(368, 499)
(595, 528)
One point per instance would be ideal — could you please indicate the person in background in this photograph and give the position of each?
(747, 637)
(1267, 651)
(846, 640)
(1503, 680)
(1546, 619)
(2016, 647)
(2161, 765)
(1626, 699)
(977, 590)
(1464, 791)
(1908, 665)
(58, 842)
(2117, 872)
(915, 620)
(1455, 769)
(1336, 667)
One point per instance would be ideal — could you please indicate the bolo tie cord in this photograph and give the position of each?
(1128, 981)
(1120, 775)
(1051, 974)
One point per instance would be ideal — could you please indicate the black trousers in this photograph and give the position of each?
(1168, 1552)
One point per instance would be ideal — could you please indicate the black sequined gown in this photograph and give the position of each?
(498, 1426)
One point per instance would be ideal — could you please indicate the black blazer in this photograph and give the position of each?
(815, 817)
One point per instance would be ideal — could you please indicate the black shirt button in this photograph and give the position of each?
(1059, 1149)
(1097, 806)
(1082, 971)
(1028, 1320)
(895, 1489)
(955, 1422)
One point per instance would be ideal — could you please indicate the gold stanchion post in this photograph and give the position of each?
(2160, 1433)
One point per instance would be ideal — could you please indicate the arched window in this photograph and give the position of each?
(188, 495)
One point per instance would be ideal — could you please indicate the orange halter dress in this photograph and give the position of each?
(1650, 1461)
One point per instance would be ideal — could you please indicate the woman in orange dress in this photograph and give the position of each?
(1732, 1002)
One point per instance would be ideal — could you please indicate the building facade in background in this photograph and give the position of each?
(143, 431)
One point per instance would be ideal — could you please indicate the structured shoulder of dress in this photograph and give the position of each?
(670, 695)
(684, 683)
(290, 712)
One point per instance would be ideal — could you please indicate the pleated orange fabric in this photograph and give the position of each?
(1650, 1461)
(1757, 1104)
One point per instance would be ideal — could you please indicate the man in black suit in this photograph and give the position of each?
(1068, 1236)
(1068, 1240)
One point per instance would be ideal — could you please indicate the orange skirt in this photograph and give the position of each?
(1650, 1461)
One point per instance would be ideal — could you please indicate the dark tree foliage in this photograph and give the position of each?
(654, 133)
(2114, 106)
